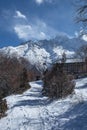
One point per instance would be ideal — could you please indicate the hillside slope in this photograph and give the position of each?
(32, 111)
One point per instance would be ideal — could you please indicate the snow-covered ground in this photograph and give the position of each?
(32, 111)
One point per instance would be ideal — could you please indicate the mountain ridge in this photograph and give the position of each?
(45, 51)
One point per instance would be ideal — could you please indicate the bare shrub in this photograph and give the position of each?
(3, 107)
(57, 83)
(13, 76)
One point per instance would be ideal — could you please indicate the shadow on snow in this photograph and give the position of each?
(77, 117)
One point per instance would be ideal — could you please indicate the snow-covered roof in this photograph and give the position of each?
(72, 60)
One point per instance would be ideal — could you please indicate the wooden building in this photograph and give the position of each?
(75, 67)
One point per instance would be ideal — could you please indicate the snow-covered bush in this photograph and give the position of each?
(57, 83)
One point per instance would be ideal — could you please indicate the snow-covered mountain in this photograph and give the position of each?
(45, 51)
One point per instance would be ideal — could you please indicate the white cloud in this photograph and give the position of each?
(84, 37)
(37, 31)
(20, 15)
(23, 31)
(43, 35)
(39, 1)
(27, 32)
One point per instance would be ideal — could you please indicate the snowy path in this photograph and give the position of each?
(32, 111)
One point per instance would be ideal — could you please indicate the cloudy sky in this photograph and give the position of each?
(22, 20)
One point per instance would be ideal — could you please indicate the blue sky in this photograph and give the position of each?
(22, 20)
